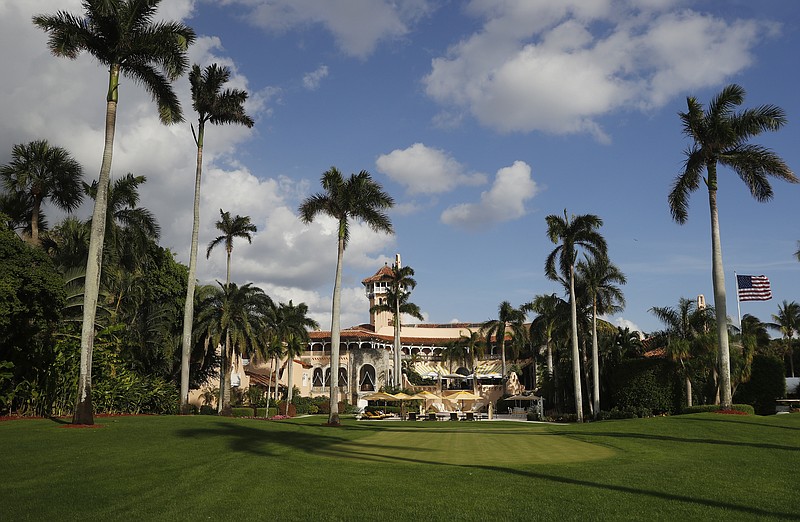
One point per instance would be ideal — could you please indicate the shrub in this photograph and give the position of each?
(646, 387)
(767, 383)
(205, 409)
(242, 412)
(616, 413)
(704, 408)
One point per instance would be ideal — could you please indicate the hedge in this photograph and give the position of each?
(704, 408)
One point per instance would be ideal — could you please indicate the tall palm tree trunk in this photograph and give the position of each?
(398, 381)
(83, 407)
(502, 344)
(333, 419)
(720, 307)
(37, 205)
(289, 382)
(595, 363)
(688, 392)
(576, 362)
(225, 369)
(188, 308)
(586, 383)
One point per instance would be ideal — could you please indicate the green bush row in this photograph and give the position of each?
(704, 408)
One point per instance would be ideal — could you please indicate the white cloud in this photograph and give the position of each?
(312, 80)
(505, 201)
(425, 170)
(357, 26)
(537, 66)
(63, 101)
(624, 323)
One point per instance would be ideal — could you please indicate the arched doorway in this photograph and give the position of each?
(366, 378)
(316, 380)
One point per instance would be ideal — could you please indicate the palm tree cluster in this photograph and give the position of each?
(134, 293)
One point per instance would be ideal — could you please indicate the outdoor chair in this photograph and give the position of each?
(431, 416)
(412, 415)
(470, 416)
(453, 416)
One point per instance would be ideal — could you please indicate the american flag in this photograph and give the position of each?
(753, 288)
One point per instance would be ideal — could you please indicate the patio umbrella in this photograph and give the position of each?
(523, 398)
(463, 395)
(520, 397)
(381, 396)
(426, 396)
(403, 398)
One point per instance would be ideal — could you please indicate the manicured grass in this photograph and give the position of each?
(694, 467)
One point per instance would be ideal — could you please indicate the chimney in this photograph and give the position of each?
(397, 260)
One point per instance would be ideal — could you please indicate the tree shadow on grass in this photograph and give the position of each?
(733, 420)
(257, 441)
(586, 437)
(672, 497)
(265, 442)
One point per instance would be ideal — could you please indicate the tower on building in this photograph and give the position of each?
(376, 288)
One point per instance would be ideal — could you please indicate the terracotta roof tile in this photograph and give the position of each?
(384, 273)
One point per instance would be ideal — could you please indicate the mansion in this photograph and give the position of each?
(366, 357)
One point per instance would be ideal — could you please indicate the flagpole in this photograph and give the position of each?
(738, 303)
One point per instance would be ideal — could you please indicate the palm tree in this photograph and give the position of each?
(580, 232)
(358, 197)
(231, 228)
(130, 229)
(290, 327)
(721, 135)
(39, 172)
(397, 294)
(218, 107)
(550, 310)
(684, 324)
(507, 317)
(120, 35)
(475, 346)
(232, 314)
(787, 321)
(599, 278)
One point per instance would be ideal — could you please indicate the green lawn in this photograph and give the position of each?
(693, 467)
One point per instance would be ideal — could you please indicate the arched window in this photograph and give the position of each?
(317, 379)
(366, 378)
(342, 376)
(327, 376)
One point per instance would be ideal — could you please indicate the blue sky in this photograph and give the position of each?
(480, 118)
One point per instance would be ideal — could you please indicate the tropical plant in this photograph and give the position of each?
(218, 107)
(508, 318)
(720, 136)
(232, 315)
(231, 228)
(39, 172)
(290, 328)
(787, 322)
(684, 324)
(599, 278)
(357, 198)
(120, 35)
(550, 310)
(130, 229)
(397, 294)
(573, 235)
